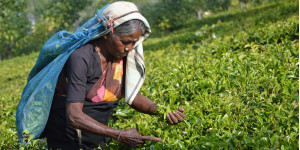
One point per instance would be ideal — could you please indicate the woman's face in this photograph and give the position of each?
(119, 46)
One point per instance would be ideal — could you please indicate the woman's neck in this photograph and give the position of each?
(102, 48)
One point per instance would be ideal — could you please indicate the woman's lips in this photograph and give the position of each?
(122, 54)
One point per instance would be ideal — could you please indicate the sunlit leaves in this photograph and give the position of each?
(239, 90)
(239, 93)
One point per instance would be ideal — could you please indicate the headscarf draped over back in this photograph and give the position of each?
(34, 106)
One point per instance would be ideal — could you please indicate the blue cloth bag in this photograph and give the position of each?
(34, 107)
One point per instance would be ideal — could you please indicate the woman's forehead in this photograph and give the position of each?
(133, 37)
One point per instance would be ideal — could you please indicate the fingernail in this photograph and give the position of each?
(181, 109)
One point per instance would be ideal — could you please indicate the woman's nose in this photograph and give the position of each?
(129, 47)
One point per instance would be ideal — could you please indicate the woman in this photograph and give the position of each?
(94, 79)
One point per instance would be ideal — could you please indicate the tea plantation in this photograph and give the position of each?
(236, 74)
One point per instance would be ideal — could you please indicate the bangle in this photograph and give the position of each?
(119, 135)
(148, 112)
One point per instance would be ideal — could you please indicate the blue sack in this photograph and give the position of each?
(34, 107)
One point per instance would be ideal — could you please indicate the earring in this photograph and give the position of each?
(126, 49)
(105, 37)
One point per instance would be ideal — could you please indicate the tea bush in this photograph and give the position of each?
(236, 75)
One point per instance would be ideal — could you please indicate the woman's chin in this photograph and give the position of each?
(120, 56)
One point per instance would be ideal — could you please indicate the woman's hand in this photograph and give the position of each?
(133, 138)
(176, 116)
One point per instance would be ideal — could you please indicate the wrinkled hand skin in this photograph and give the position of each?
(176, 116)
(133, 138)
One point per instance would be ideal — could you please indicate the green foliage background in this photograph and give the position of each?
(25, 25)
(236, 73)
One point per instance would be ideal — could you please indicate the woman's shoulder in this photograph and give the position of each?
(85, 51)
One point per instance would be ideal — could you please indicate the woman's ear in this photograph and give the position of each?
(110, 36)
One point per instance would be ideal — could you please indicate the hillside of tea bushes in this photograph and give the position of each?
(236, 74)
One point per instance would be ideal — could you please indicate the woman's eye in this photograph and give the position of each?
(126, 43)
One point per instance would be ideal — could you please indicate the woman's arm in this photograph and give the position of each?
(80, 120)
(143, 104)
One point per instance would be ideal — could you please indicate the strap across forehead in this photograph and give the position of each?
(126, 14)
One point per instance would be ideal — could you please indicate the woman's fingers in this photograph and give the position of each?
(151, 138)
(136, 143)
(174, 119)
(181, 114)
(179, 118)
(169, 119)
(139, 140)
(132, 137)
(180, 109)
(176, 116)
